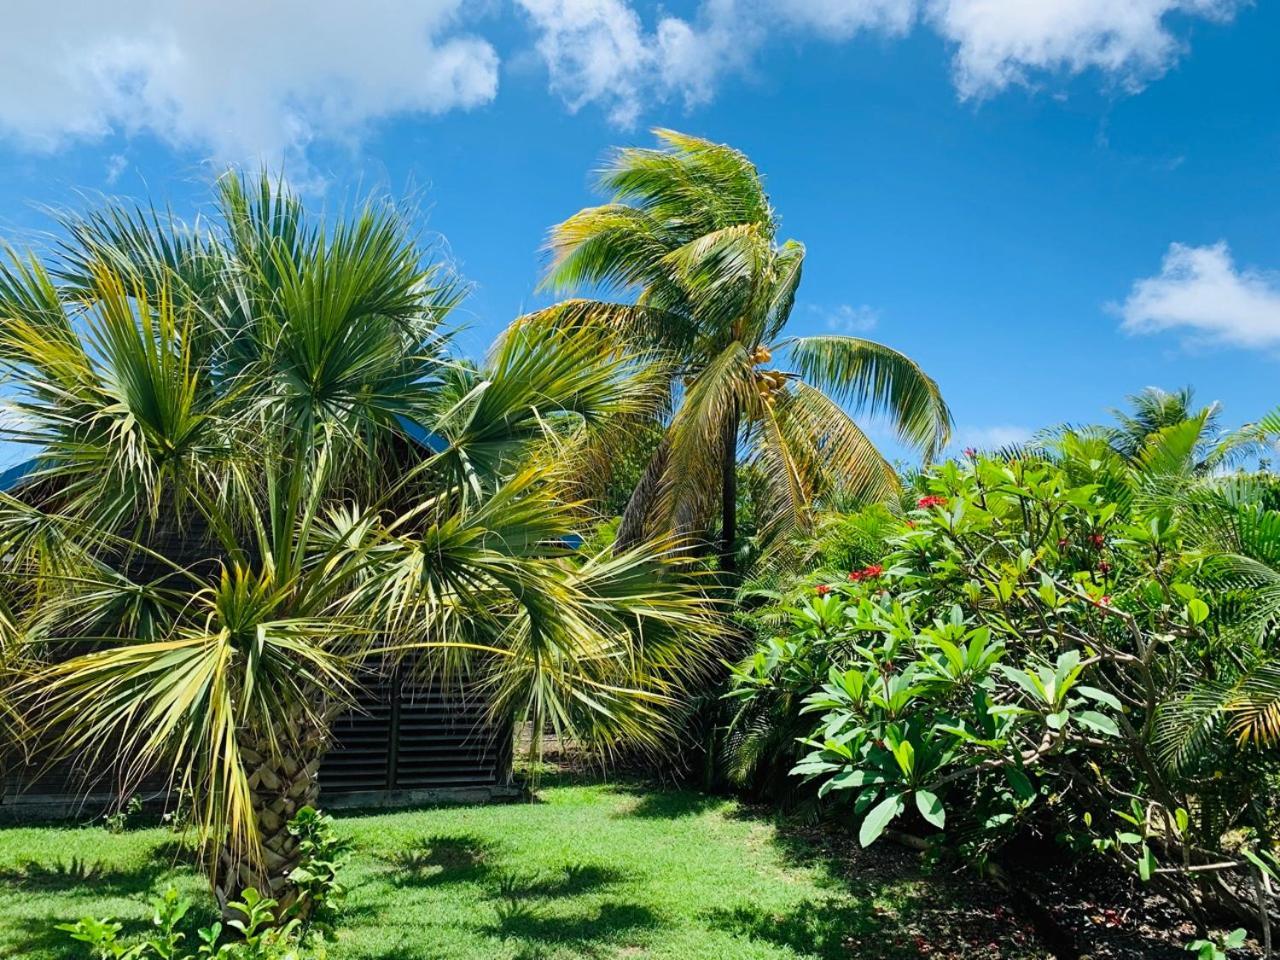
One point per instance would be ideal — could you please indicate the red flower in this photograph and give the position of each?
(1104, 601)
(1063, 542)
(933, 500)
(1104, 567)
(1097, 539)
(911, 524)
(866, 573)
(971, 453)
(822, 589)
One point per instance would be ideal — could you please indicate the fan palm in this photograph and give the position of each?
(235, 520)
(691, 233)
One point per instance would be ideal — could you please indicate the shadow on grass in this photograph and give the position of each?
(574, 880)
(82, 876)
(659, 803)
(441, 859)
(609, 926)
(823, 930)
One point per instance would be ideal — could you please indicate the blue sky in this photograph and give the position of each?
(1049, 204)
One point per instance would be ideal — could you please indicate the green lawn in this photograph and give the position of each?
(591, 870)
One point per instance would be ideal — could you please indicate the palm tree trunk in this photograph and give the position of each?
(637, 518)
(729, 496)
(279, 785)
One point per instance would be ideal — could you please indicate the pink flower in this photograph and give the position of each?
(971, 453)
(933, 500)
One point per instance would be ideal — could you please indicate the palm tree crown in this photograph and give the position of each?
(691, 232)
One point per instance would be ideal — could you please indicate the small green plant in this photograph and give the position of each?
(257, 935)
(178, 819)
(118, 820)
(1216, 949)
(316, 877)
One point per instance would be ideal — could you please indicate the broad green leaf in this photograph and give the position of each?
(1146, 863)
(880, 816)
(1020, 783)
(931, 808)
(1101, 696)
(1098, 721)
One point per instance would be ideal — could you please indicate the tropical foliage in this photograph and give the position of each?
(261, 479)
(1080, 647)
(690, 232)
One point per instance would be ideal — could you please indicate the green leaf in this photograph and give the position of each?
(1098, 721)
(1101, 696)
(1057, 721)
(1020, 783)
(1258, 862)
(880, 816)
(1182, 819)
(1197, 610)
(931, 808)
(1146, 864)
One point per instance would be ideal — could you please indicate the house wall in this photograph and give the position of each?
(406, 744)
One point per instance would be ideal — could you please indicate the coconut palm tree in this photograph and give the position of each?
(261, 479)
(690, 233)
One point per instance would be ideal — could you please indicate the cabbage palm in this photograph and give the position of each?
(690, 232)
(235, 519)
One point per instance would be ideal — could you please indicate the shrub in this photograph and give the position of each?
(1049, 647)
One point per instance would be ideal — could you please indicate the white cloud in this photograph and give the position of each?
(1000, 42)
(990, 437)
(600, 51)
(847, 319)
(1201, 292)
(117, 164)
(241, 79)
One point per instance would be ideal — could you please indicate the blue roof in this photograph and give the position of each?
(420, 434)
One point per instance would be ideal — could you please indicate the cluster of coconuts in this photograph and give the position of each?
(767, 382)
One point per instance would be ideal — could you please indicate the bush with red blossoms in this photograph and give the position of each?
(990, 681)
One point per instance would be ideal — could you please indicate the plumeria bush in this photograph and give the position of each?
(1039, 651)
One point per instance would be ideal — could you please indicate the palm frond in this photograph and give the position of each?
(876, 379)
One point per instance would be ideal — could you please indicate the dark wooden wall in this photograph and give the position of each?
(408, 742)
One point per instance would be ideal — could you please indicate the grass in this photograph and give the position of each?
(594, 870)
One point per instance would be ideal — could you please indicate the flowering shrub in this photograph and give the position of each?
(1027, 657)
